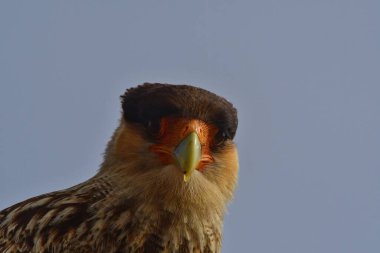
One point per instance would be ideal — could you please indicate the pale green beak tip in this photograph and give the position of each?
(188, 155)
(186, 177)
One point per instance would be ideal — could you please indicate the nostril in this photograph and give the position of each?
(185, 131)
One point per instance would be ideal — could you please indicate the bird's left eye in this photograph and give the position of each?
(221, 137)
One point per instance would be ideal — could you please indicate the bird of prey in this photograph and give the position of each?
(168, 173)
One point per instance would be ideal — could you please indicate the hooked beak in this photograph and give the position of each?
(184, 142)
(188, 154)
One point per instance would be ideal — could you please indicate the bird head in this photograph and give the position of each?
(168, 172)
(174, 142)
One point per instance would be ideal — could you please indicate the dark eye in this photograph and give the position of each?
(152, 127)
(221, 137)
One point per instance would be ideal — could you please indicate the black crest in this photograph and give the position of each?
(147, 103)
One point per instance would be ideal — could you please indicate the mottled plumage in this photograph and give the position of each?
(139, 201)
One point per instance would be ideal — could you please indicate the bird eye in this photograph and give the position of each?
(221, 137)
(151, 127)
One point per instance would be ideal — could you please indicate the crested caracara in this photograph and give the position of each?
(168, 173)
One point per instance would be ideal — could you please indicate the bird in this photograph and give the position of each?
(168, 174)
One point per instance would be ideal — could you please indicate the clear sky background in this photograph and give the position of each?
(304, 75)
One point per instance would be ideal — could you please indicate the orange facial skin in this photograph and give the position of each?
(173, 130)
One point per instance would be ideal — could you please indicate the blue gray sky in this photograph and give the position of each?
(304, 76)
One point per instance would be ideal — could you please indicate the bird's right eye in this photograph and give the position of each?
(152, 128)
